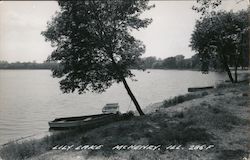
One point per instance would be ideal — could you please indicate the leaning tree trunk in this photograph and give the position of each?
(132, 97)
(229, 73)
(224, 59)
(137, 106)
(235, 74)
(235, 69)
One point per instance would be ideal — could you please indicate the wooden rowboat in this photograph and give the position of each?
(194, 89)
(83, 121)
(110, 108)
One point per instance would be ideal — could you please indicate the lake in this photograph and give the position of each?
(31, 98)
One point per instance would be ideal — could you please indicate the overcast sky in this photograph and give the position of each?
(169, 34)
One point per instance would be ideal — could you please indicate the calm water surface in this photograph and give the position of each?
(30, 98)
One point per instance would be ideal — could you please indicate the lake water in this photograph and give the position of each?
(31, 98)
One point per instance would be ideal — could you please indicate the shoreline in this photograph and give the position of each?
(187, 113)
(27, 138)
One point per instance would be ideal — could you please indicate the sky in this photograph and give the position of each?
(21, 23)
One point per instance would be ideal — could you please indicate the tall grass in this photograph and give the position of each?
(26, 149)
(182, 98)
(225, 85)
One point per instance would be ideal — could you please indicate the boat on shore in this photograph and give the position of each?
(89, 121)
(194, 89)
(111, 108)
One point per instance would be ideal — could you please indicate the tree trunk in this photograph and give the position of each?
(132, 97)
(127, 87)
(229, 73)
(235, 74)
(224, 59)
(235, 68)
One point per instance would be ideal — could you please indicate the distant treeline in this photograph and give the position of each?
(27, 65)
(193, 63)
(177, 62)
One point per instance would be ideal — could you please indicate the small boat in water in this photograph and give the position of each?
(89, 121)
(194, 89)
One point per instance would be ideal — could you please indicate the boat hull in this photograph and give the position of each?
(82, 122)
(194, 89)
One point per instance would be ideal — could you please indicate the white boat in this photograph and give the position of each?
(110, 108)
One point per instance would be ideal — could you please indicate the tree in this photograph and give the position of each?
(148, 62)
(93, 43)
(221, 35)
(206, 7)
(169, 62)
(180, 61)
(157, 64)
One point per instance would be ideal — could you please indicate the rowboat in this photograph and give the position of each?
(110, 108)
(83, 121)
(194, 89)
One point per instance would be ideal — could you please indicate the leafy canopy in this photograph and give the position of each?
(223, 36)
(206, 7)
(93, 42)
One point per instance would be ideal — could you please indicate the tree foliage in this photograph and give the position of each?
(206, 7)
(93, 43)
(222, 36)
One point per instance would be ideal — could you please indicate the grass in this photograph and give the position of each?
(182, 98)
(26, 149)
(216, 116)
(154, 129)
(225, 85)
(232, 154)
(182, 133)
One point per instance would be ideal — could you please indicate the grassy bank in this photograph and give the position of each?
(219, 117)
